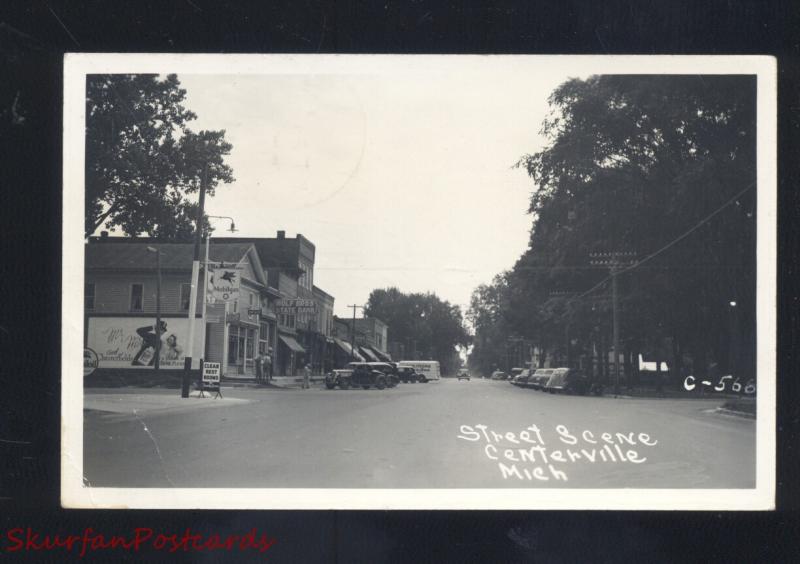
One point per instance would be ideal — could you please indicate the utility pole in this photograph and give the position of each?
(614, 260)
(187, 362)
(158, 308)
(353, 333)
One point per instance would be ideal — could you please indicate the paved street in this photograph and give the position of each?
(445, 434)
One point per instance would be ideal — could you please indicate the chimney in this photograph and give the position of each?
(104, 234)
(281, 234)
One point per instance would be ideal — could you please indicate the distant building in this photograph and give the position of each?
(371, 336)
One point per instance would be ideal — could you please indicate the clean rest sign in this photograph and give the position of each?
(211, 372)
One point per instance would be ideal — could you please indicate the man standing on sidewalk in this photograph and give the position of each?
(259, 360)
(268, 365)
(307, 376)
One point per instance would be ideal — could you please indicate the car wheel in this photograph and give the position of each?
(380, 383)
(329, 385)
(422, 380)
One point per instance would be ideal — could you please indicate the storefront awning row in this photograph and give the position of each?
(292, 344)
(371, 356)
(382, 356)
(347, 350)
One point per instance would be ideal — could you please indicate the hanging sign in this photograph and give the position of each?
(223, 284)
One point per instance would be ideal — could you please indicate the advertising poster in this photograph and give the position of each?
(130, 342)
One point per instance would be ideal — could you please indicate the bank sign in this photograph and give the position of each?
(293, 306)
(130, 342)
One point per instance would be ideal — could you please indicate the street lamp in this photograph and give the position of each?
(158, 307)
(232, 229)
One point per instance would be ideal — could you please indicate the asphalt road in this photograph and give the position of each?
(433, 435)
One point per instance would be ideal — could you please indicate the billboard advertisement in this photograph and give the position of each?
(130, 342)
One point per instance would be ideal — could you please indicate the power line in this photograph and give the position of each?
(670, 244)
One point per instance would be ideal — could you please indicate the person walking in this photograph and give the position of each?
(307, 376)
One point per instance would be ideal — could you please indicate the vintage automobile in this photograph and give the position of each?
(359, 374)
(463, 374)
(539, 378)
(389, 370)
(407, 374)
(567, 380)
(499, 375)
(522, 378)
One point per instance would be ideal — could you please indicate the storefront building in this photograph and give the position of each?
(121, 293)
(302, 310)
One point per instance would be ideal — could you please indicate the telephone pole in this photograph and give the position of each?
(187, 361)
(614, 260)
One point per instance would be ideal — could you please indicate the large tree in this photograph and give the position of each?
(142, 160)
(422, 322)
(662, 166)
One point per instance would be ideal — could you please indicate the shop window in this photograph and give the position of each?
(250, 344)
(263, 338)
(233, 345)
(186, 296)
(88, 296)
(136, 297)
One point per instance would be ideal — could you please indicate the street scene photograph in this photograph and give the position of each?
(419, 273)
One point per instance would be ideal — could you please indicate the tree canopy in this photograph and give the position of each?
(423, 323)
(142, 160)
(659, 166)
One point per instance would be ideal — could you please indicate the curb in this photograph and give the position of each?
(734, 413)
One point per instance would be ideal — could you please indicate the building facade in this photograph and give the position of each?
(371, 337)
(122, 295)
(302, 309)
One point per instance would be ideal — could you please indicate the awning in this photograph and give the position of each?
(381, 355)
(346, 348)
(369, 354)
(292, 344)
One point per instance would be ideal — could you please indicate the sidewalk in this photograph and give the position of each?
(152, 401)
(284, 382)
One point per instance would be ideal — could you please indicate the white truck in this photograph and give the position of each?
(428, 370)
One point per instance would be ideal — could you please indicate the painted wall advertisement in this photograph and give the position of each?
(130, 342)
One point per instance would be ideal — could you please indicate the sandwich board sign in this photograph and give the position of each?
(210, 381)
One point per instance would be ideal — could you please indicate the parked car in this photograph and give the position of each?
(357, 374)
(389, 370)
(407, 374)
(521, 378)
(568, 380)
(427, 370)
(463, 374)
(539, 378)
(499, 375)
(514, 372)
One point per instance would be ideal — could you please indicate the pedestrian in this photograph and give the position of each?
(268, 364)
(307, 376)
(259, 361)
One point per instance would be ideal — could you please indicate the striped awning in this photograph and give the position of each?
(292, 344)
(347, 350)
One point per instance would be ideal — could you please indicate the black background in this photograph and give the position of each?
(33, 37)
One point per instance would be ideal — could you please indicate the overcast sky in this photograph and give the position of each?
(403, 181)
